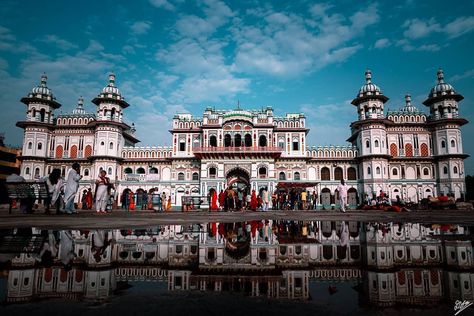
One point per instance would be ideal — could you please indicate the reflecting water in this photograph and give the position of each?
(337, 267)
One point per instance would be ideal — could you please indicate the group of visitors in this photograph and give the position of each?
(143, 200)
(239, 200)
(294, 200)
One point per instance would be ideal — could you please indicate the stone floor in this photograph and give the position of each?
(123, 219)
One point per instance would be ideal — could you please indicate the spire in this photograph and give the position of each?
(368, 76)
(44, 78)
(79, 107)
(111, 79)
(238, 104)
(133, 129)
(407, 100)
(440, 76)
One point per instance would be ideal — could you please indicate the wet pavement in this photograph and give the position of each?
(123, 219)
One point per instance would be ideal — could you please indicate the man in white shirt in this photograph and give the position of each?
(342, 189)
(72, 184)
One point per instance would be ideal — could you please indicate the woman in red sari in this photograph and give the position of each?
(214, 200)
(253, 201)
(221, 199)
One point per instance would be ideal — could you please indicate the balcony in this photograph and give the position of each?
(136, 177)
(219, 152)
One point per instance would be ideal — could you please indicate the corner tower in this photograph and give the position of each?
(38, 127)
(111, 133)
(445, 122)
(369, 136)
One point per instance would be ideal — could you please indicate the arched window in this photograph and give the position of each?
(295, 144)
(455, 170)
(37, 172)
(227, 140)
(351, 173)
(181, 176)
(367, 144)
(338, 173)
(212, 172)
(238, 140)
(376, 143)
(262, 172)
(281, 143)
(42, 115)
(377, 170)
(297, 176)
(426, 172)
(40, 146)
(248, 140)
(27, 170)
(453, 143)
(394, 172)
(262, 141)
(102, 143)
(128, 170)
(153, 170)
(30, 145)
(281, 176)
(109, 171)
(141, 170)
(213, 141)
(368, 170)
(325, 174)
(112, 114)
(195, 176)
(443, 144)
(111, 145)
(182, 144)
(86, 172)
(445, 170)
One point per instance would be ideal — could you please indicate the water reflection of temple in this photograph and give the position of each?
(387, 264)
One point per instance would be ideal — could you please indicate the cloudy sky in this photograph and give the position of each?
(183, 55)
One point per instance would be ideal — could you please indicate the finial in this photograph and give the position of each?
(44, 78)
(111, 79)
(407, 100)
(368, 75)
(133, 129)
(440, 75)
(80, 102)
(238, 104)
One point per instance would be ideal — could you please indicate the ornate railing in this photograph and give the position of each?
(264, 149)
(136, 177)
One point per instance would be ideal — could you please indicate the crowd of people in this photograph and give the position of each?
(142, 200)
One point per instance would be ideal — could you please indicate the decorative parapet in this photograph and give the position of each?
(147, 152)
(332, 151)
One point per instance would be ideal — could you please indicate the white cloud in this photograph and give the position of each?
(382, 43)
(409, 47)
(460, 26)
(468, 74)
(416, 28)
(287, 45)
(140, 27)
(163, 4)
(58, 42)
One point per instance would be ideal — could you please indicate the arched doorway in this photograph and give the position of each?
(326, 197)
(352, 197)
(238, 178)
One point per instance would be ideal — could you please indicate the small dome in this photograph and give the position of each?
(42, 90)
(409, 108)
(111, 88)
(441, 88)
(79, 107)
(369, 87)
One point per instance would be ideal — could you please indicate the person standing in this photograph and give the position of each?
(89, 199)
(304, 196)
(342, 189)
(72, 184)
(214, 200)
(265, 200)
(168, 205)
(55, 186)
(101, 196)
(253, 201)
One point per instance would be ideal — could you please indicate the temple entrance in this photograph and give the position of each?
(238, 179)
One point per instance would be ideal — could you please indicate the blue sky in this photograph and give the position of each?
(180, 56)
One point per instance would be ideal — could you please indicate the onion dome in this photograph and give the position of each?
(369, 90)
(111, 93)
(41, 93)
(409, 108)
(442, 90)
(79, 107)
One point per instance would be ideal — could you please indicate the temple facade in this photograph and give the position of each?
(408, 153)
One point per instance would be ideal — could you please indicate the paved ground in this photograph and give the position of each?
(122, 219)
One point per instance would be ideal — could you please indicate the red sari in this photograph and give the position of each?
(221, 199)
(214, 201)
(89, 200)
(253, 201)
